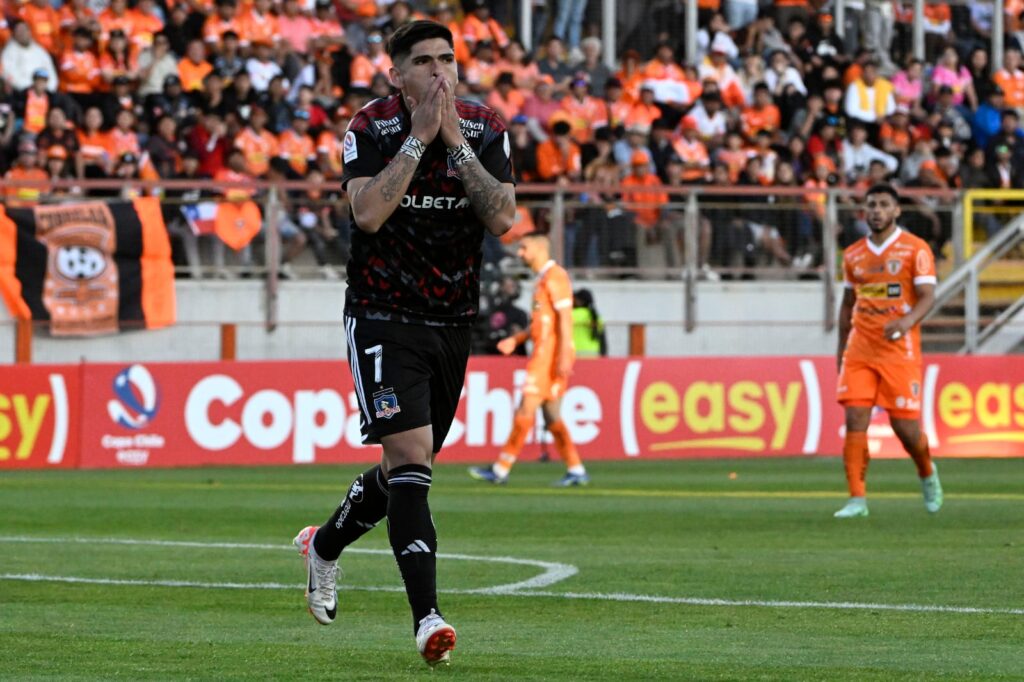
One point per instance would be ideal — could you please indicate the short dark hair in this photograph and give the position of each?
(883, 188)
(402, 40)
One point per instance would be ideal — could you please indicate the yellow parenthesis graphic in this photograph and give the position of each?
(1008, 436)
(751, 443)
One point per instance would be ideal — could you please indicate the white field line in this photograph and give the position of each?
(520, 589)
(595, 596)
(553, 572)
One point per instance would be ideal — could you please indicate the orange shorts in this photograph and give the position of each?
(896, 387)
(541, 380)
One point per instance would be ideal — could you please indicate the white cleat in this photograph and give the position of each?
(855, 507)
(931, 489)
(321, 577)
(435, 639)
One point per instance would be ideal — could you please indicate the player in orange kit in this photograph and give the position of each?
(890, 287)
(549, 366)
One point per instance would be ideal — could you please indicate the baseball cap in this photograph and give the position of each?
(301, 114)
(639, 159)
(57, 151)
(639, 128)
(122, 80)
(375, 38)
(27, 147)
(1002, 149)
(546, 79)
(519, 119)
(41, 73)
(128, 157)
(172, 79)
(688, 123)
(342, 112)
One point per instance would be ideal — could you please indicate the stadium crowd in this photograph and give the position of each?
(237, 89)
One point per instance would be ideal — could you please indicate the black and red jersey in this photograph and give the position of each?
(423, 265)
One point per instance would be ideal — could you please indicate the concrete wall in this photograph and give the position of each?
(734, 318)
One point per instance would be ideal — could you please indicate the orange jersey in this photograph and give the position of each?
(192, 74)
(884, 280)
(37, 107)
(258, 149)
(474, 30)
(79, 72)
(110, 21)
(258, 27)
(96, 147)
(585, 116)
(363, 69)
(297, 149)
(553, 162)
(215, 27)
(552, 293)
(756, 120)
(124, 142)
(329, 146)
(645, 204)
(1013, 85)
(44, 22)
(22, 197)
(144, 27)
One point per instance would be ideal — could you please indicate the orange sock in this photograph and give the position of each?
(855, 457)
(521, 428)
(563, 443)
(922, 457)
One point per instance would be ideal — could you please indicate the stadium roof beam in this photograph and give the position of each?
(917, 30)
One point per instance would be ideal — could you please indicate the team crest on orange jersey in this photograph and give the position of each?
(893, 266)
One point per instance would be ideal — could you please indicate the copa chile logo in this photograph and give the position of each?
(136, 398)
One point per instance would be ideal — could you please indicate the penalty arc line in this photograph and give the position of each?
(499, 591)
(554, 572)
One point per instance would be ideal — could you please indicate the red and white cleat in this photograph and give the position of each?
(435, 639)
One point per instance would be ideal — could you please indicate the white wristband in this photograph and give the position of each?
(461, 154)
(413, 147)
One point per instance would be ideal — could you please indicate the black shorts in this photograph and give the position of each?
(406, 375)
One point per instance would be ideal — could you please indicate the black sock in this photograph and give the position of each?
(364, 506)
(413, 538)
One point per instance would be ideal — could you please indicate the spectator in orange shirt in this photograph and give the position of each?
(505, 99)
(258, 144)
(482, 71)
(631, 75)
(645, 111)
(558, 158)
(33, 105)
(193, 67)
(479, 25)
(616, 104)
(116, 16)
(146, 23)
(365, 66)
(295, 144)
(585, 112)
(445, 15)
(72, 14)
(118, 60)
(79, 68)
(25, 168)
(1011, 79)
(96, 148)
(762, 115)
(645, 204)
(259, 24)
(541, 107)
(44, 23)
(224, 19)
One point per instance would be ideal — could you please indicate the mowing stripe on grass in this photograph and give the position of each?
(500, 591)
(554, 572)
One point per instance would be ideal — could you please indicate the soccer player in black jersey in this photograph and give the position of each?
(426, 175)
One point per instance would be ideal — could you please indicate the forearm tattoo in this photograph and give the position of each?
(394, 179)
(487, 196)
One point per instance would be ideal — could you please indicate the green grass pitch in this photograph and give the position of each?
(801, 596)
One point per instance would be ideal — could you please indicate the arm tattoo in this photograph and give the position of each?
(487, 196)
(394, 175)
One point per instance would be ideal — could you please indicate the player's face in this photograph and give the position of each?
(529, 250)
(882, 211)
(427, 59)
